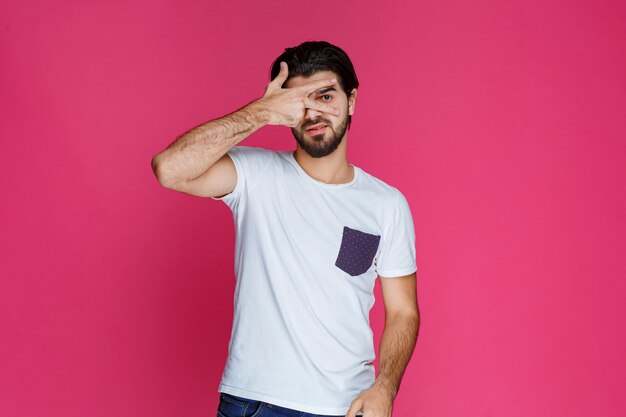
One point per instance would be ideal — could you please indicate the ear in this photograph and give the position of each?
(352, 101)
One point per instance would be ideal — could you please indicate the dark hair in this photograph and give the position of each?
(311, 57)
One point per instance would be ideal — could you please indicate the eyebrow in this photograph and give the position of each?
(325, 90)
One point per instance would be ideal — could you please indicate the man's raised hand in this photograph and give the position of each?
(287, 106)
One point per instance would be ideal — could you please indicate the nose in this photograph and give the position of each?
(312, 114)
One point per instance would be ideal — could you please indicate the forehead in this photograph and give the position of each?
(299, 80)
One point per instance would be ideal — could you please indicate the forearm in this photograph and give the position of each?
(192, 153)
(396, 347)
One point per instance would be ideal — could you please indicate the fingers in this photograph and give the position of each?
(354, 408)
(316, 85)
(325, 108)
(282, 75)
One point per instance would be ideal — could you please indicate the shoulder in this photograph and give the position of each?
(252, 151)
(252, 158)
(382, 190)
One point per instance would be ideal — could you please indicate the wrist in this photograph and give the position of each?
(386, 386)
(259, 112)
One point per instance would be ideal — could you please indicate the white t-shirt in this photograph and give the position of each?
(307, 255)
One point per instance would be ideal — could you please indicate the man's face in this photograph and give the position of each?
(328, 130)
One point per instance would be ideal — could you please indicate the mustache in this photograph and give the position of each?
(317, 121)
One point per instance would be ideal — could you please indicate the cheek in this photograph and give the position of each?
(344, 108)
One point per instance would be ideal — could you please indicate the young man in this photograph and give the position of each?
(312, 234)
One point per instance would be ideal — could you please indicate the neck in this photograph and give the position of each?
(330, 169)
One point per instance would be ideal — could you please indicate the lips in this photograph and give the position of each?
(317, 126)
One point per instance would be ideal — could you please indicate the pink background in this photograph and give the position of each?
(501, 122)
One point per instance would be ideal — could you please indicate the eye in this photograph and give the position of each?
(327, 95)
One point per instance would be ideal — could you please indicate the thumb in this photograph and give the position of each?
(282, 75)
(354, 408)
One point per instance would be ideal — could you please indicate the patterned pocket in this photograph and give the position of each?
(357, 251)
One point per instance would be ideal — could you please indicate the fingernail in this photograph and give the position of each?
(332, 80)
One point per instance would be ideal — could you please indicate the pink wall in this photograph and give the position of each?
(501, 122)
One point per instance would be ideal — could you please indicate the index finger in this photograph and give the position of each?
(316, 85)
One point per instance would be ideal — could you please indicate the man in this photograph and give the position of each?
(312, 233)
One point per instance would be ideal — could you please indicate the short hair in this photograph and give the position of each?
(311, 57)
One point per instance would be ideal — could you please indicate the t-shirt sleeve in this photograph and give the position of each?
(397, 254)
(249, 162)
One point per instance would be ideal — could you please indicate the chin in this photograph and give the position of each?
(309, 143)
(318, 155)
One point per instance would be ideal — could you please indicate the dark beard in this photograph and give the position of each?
(319, 148)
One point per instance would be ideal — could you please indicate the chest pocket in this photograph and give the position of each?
(357, 251)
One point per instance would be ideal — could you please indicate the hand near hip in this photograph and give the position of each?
(376, 401)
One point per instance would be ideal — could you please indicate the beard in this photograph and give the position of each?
(323, 144)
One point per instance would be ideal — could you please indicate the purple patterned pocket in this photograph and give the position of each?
(357, 251)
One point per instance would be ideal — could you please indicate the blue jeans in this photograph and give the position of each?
(232, 406)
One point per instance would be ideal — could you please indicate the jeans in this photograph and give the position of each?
(232, 406)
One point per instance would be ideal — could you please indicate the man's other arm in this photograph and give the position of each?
(396, 346)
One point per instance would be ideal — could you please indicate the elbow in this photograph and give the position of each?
(157, 168)
(162, 173)
(408, 316)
